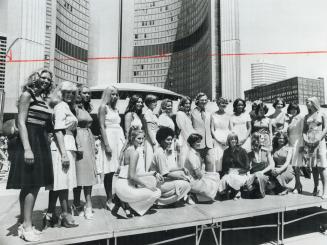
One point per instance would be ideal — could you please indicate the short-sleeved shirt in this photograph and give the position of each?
(64, 119)
(162, 161)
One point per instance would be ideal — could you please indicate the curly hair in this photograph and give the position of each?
(33, 81)
(132, 133)
(163, 133)
(56, 95)
(131, 107)
(261, 106)
(164, 105)
(236, 102)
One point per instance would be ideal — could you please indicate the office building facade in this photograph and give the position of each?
(263, 73)
(296, 90)
(230, 47)
(172, 46)
(71, 40)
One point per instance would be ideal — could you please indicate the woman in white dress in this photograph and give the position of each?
(295, 140)
(184, 123)
(133, 113)
(240, 123)
(203, 184)
(63, 151)
(113, 139)
(135, 186)
(151, 128)
(220, 130)
(314, 132)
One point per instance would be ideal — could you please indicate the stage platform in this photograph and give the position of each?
(201, 216)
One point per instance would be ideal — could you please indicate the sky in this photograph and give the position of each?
(284, 26)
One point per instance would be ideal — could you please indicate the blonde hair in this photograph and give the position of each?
(106, 96)
(56, 95)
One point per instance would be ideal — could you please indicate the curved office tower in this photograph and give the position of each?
(71, 46)
(172, 45)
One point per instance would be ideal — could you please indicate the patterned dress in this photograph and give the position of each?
(238, 125)
(40, 173)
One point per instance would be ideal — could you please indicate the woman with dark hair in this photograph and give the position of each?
(176, 181)
(220, 131)
(135, 186)
(294, 131)
(279, 117)
(86, 171)
(314, 132)
(184, 123)
(203, 184)
(282, 173)
(31, 165)
(240, 123)
(262, 126)
(113, 139)
(151, 128)
(63, 151)
(133, 113)
(235, 167)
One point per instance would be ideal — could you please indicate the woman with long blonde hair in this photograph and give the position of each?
(113, 139)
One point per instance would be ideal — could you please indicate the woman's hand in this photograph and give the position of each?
(65, 162)
(29, 157)
(108, 150)
(160, 178)
(275, 172)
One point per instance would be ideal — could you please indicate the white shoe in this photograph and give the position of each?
(88, 213)
(29, 236)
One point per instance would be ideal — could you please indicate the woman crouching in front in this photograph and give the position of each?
(135, 186)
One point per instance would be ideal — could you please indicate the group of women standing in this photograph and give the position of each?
(161, 160)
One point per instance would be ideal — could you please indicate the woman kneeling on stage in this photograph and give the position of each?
(176, 180)
(135, 186)
(203, 184)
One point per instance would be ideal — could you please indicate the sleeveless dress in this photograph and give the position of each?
(151, 118)
(279, 158)
(116, 141)
(39, 174)
(221, 131)
(295, 139)
(140, 199)
(238, 124)
(279, 122)
(205, 188)
(317, 156)
(86, 166)
(66, 121)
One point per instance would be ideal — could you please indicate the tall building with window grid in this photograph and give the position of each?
(264, 73)
(67, 36)
(3, 49)
(173, 46)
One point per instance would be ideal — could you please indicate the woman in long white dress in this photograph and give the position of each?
(113, 139)
(240, 123)
(135, 186)
(295, 140)
(184, 123)
(220, 130)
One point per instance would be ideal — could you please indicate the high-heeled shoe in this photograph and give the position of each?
(119, 211)
(110, 205)
(77, 210)
(315, 192)
(297, 190)
(29, 236)
(68, 223)
(50, 220)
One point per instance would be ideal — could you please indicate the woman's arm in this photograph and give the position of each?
(101, 115)
(270, 127)
(128, 121)
(279, 170)
(271, 163)
(24, 103)
(61, 145)
(152, 137)
(324, 131)
(133, 176)
(212, 127)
